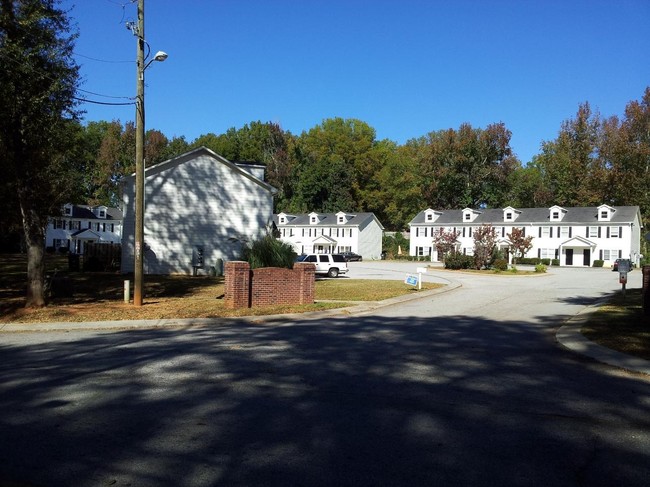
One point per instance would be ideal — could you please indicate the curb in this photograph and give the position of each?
(570, 337)
(116, 325)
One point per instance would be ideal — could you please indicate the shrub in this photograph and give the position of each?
(555, 262)
(500, 264)
(540, 268)
(63, 250)
(598, 263)
(546, 262)
(529, 261)
(269, 252)
(456, 261)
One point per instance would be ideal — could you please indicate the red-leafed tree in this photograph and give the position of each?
(445, 241)
(520, 244)
(485, 239)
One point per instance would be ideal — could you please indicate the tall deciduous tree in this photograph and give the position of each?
(38, 81)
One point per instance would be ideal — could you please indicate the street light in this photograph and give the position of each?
(139, 157)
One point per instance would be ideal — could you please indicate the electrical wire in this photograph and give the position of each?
(95, 102)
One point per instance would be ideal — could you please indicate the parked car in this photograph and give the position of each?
(625, 261)
(329, 264)
(351, 257)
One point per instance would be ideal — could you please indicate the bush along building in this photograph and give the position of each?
(575, 237)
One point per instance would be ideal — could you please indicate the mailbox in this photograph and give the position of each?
(622, 277)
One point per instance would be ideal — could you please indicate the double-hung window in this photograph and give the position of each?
(614, 232)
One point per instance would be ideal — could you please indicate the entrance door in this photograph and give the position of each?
(569, 256)
(587, 257)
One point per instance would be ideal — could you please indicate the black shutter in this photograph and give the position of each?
(587, 234)
(523, 231)
(620, 232)
(570, 228)
(539, 253)
(550, 232)
(599, 231)
(540, 232)
(601, 255)
(607, 232)
(620, 254)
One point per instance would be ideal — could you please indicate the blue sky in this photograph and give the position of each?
(405, 67)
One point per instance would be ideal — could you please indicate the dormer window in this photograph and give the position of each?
(68, 210)
(102, 213)
(605, 213)
(470, 215)
(509, 216)
(341, 219)
(556, 213)
(283, 220)
(431, 215)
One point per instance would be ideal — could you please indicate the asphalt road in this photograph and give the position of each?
(465, 388)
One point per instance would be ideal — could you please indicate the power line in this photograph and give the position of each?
(103, 60)
(95, 102)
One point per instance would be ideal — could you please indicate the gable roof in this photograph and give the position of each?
(86, 212)
(574, 215)
(193, 154)
(328, 220)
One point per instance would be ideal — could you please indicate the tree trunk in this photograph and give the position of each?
(35, 240)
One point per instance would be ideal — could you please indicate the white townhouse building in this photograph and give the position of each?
(200, 209)
(575, 236)
(81, 224)
(331, 233)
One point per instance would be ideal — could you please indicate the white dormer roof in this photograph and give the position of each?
(314, 218)
(342, 218)
(100, 211)
(67, 209)
(510, 214)
(605, 213)
(470, 215)
(556, 213)
(431, 216)
(285, 218)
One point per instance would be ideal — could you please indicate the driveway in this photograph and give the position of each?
(464, 388)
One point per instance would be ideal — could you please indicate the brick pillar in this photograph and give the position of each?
(646, 289)
(307, 281)
(238, 283)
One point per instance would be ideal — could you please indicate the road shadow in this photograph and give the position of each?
(359, 401)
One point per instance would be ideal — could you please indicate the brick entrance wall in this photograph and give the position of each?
(268, 285)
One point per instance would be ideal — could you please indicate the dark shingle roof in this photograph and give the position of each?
(573, 215)
(325, 220)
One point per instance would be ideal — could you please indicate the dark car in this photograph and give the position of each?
(351, 257)
(626, 263)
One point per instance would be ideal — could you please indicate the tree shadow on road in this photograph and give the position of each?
(339, 402)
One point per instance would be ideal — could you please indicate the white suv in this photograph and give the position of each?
(330, 264)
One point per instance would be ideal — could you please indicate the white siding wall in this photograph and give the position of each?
(200, 202)
(627, 244)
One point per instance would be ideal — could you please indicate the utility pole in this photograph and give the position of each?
(139, 163)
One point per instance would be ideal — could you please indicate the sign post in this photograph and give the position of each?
(420, 271)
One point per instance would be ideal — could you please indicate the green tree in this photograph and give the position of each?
(38, 82)
(331, 158)
(571, 167)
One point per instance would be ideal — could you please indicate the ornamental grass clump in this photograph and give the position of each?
(269, 252)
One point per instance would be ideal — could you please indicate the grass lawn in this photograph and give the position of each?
(99, 296)
(621, 325)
